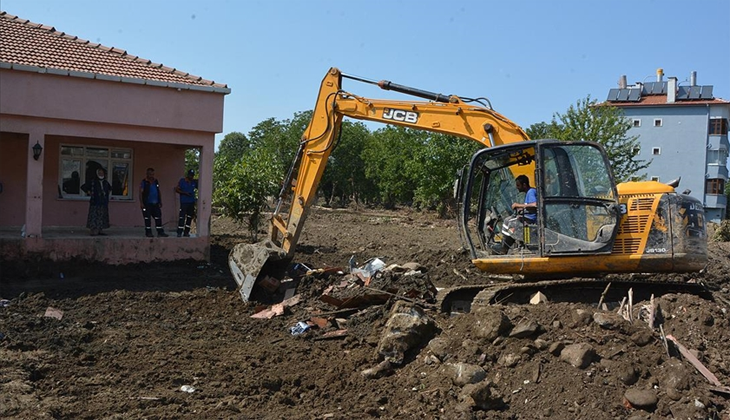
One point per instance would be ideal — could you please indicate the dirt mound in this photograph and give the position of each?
(176, 341)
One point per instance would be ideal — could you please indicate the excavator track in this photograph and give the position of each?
(460, 299)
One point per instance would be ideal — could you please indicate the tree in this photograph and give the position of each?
(543, 130)
(604, 124)
(233, 146)
(344, 179)
(192, 160)
(386, 157)
(243, 192)
(434, 168)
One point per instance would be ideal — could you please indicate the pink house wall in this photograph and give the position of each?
(12, 199)
(157, 123)
(167, 160)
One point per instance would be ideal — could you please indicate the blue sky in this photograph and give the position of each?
(530, 58)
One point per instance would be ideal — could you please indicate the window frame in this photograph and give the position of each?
(715, 186)
(718, 126)
(654, 178)
(656, 151)
(117, 161)
(636, 122)
(658, 122)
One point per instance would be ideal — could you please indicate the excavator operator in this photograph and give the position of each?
(525, 214)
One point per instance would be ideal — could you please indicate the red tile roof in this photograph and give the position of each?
(24, 43)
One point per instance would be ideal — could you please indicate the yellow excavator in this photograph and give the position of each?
(585, 224)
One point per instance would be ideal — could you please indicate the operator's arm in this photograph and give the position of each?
(530, 201)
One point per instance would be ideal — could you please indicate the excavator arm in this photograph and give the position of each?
(445, 114)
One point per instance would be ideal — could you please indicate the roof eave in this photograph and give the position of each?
(111, 78)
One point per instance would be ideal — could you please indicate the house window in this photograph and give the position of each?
(657, 122)
(655, 178)
(717, 157)
(78, 165)
(718, 126)
(656, 151)
(636, 122)
(715, 186)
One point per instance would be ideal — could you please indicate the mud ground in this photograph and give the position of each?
(132, 337)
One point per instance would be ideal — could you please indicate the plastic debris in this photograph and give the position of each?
(187, 388)
(300, 328)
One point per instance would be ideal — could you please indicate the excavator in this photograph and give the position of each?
(586, 225)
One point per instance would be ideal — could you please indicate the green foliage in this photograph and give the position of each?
(543, 130)
(605, 125)
(386, 158)
(192, 160)
(243, 188)
(436, 161)
(233, 146)
(344, 179)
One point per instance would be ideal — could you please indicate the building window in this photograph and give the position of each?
(655, 178)
(718, 126)
(656, 151)
(717, 157)
(78, 165)
(636, 122)
(715, 186)
(657, 122)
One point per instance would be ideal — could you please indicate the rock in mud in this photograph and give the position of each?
(483, 396)
(674, 379)
(644, 399)
(490, 323)
(439, 347)
(582, 317)
(383, 368)
(578, 355)
(407, 328)
(642, 337)
(465, 373)
(608, 320)
(627, 373)
(524, 329)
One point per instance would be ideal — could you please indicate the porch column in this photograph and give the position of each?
(205, 188)
(34, 187)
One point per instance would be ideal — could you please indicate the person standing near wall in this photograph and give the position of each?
(151, 203)
(98, 190)
(186, 187)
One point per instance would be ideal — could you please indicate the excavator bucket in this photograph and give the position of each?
(251, 262)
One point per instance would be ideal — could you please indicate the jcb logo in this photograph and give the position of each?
(400, 115)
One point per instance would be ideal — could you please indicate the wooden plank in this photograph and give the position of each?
(695, 362)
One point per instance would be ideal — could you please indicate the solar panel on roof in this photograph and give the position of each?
(612, 94)
(706, 92)
(646, 89)
(623, 95)
(683, 92)
(659, 88)
(634, 95)
(694, 92)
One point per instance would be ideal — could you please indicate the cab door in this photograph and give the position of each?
(579, 202)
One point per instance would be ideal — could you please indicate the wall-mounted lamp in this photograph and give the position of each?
(37, 149)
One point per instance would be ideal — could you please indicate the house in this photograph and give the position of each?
(683, 131)
(67, 105)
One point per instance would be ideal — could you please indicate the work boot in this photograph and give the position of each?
(499, 249)
(149, 235)
(162, 234)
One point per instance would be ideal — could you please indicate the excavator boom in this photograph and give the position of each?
(446, 114)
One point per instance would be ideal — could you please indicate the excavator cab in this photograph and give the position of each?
(578, 210)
